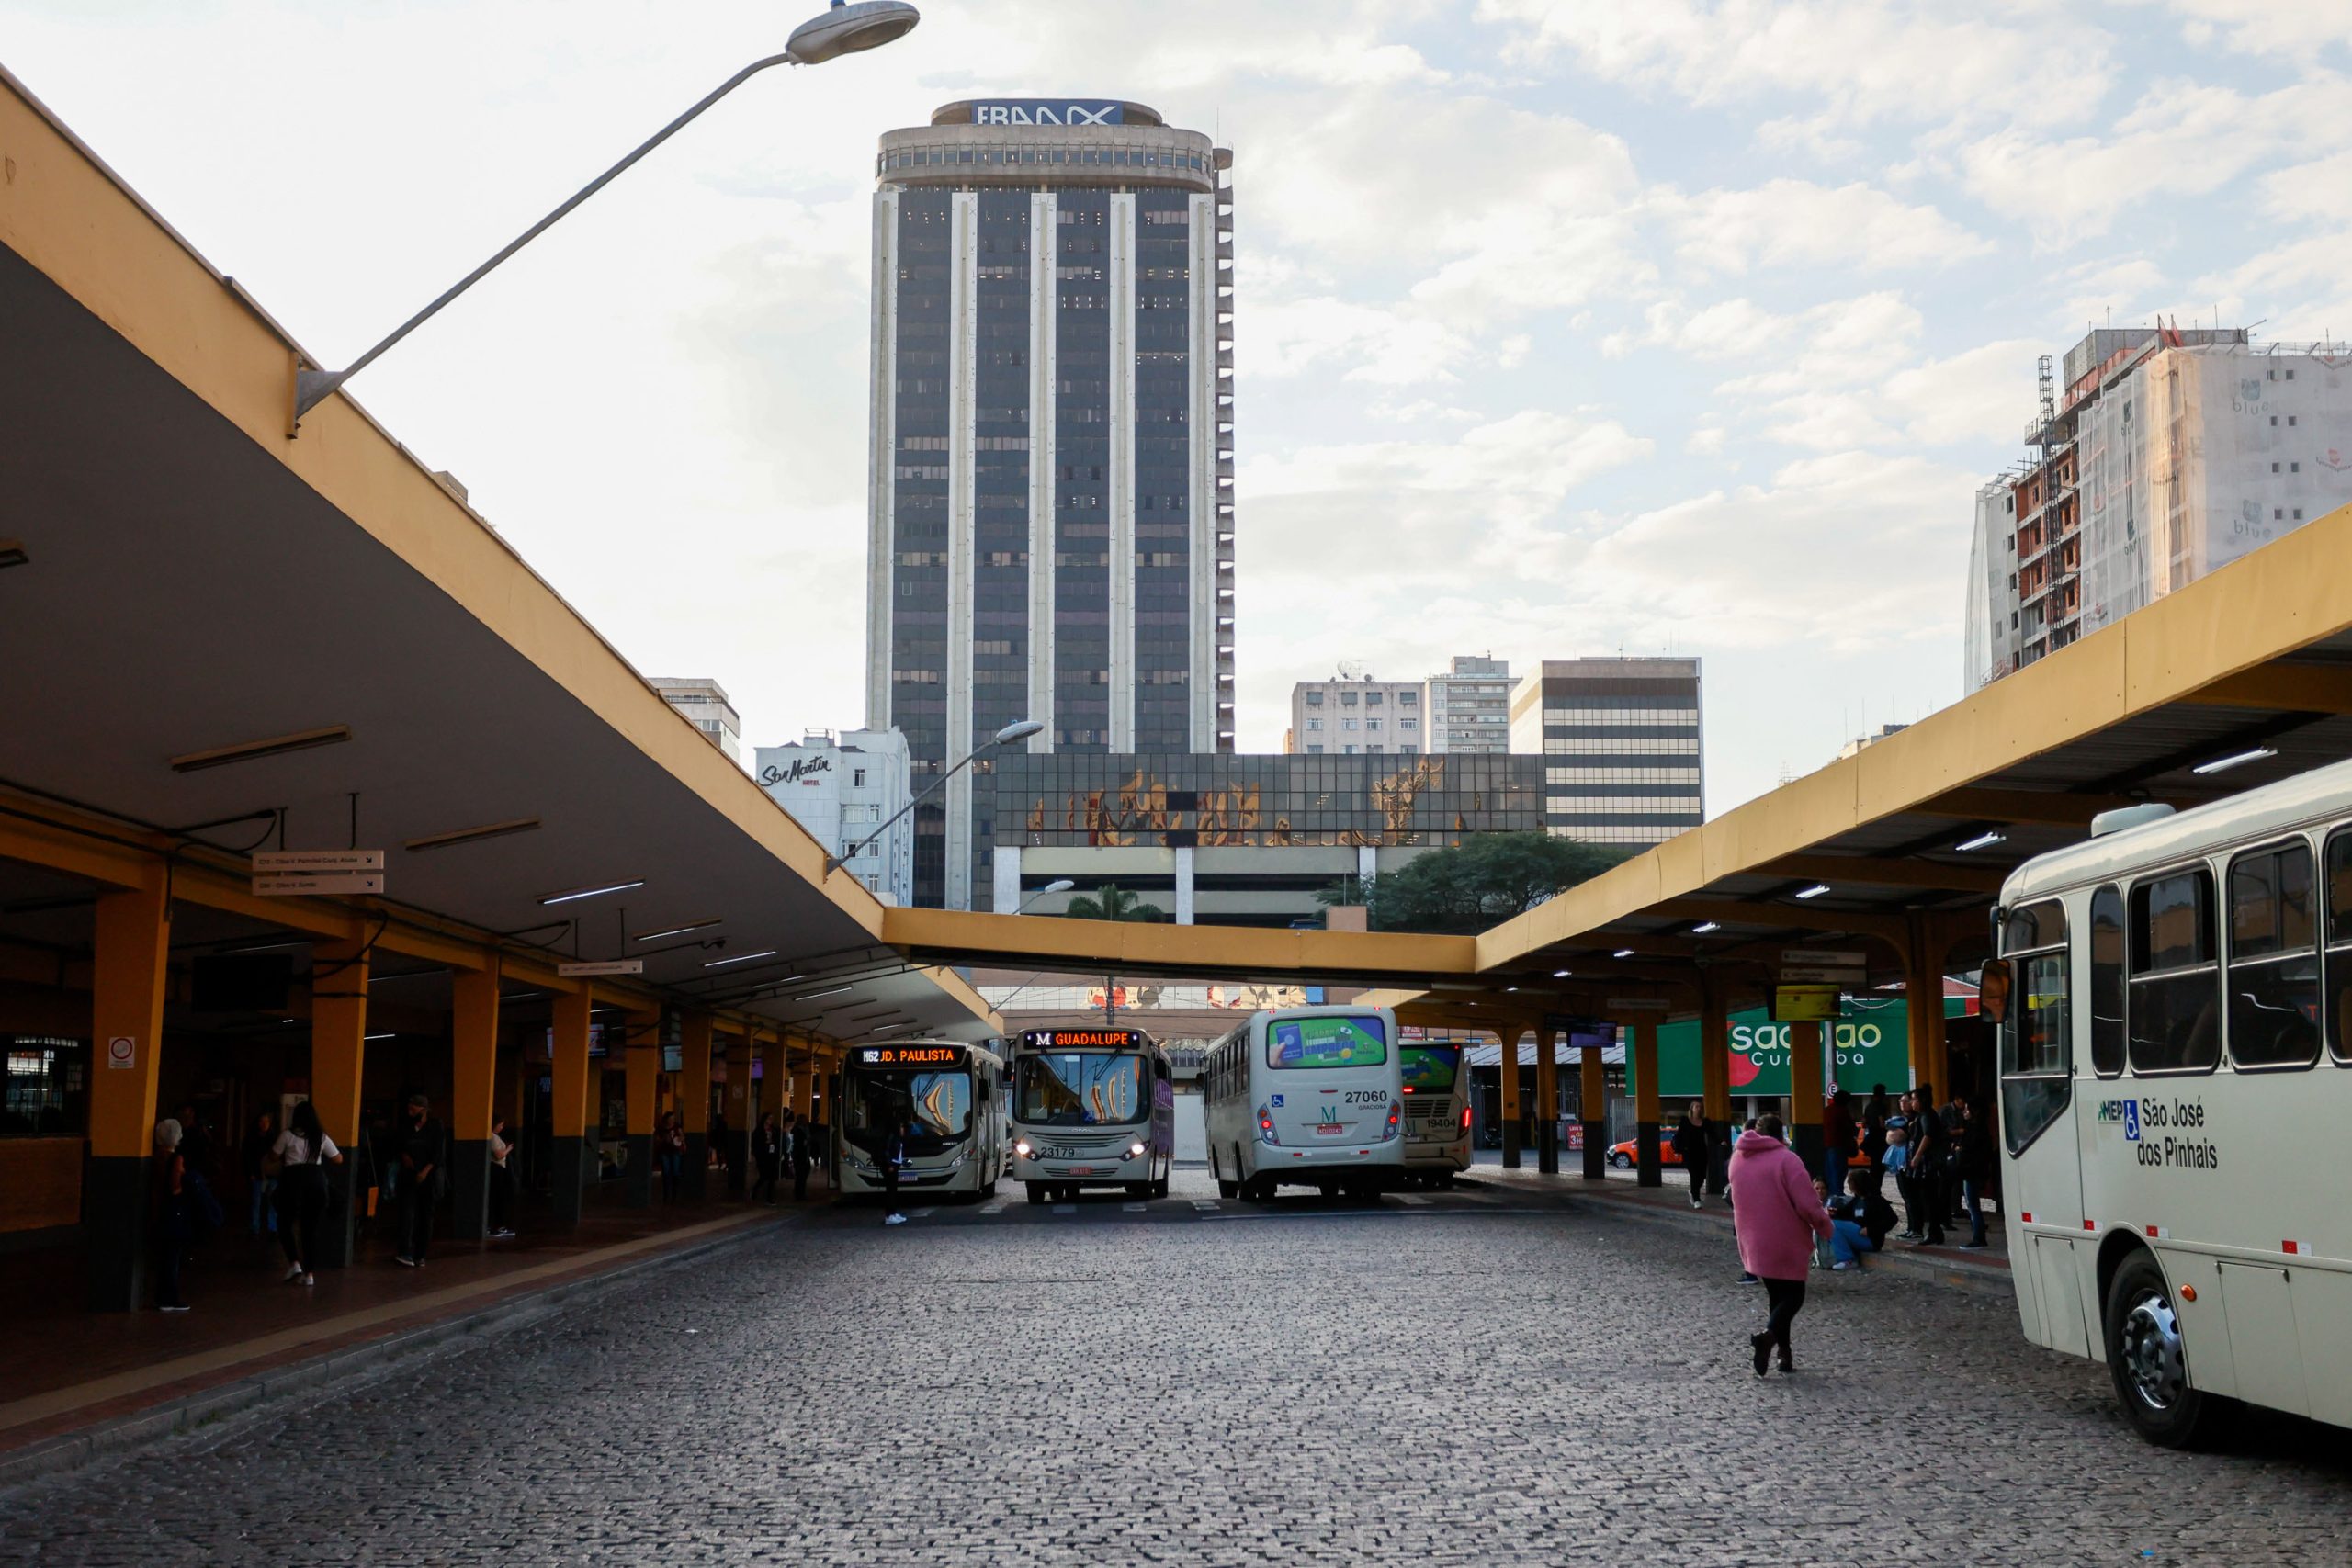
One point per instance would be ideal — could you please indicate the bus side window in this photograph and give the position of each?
(2274, 959)
(2175, 974)
(2036, 1039)
(2106, 982)
(2339, 942)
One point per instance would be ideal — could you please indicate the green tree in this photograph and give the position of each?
(1481, 882)
(1112, 903)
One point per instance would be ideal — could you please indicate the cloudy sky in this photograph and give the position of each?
(1566, 326)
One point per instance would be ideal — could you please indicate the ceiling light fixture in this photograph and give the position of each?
(1815, 891)
(12, 553)
(1622, 953)
(2235, 760)
(254, 750)
(677, 931)
(597, 891)
(474, 835)
(403, 974)
(738, 958)
(1983, 840)
(1562, 974)
(836, 991)
(1703, 927)
(388, 1034)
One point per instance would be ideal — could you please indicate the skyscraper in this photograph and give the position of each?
(1050, 521)
(1470, 708)
(1621, 746)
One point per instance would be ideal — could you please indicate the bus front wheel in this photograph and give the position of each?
(1036, 1191)
(2149, 1360)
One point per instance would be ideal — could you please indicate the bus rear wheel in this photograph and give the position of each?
(1139, 1190)
(2149, 1360)
(1036, 1191)
(1259, 1190)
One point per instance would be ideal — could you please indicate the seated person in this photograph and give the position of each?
(1859, 1219)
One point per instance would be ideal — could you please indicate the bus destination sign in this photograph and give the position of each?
(910, 1056)
(1083, 1039)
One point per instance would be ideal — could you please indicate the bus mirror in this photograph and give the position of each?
(1993, 990)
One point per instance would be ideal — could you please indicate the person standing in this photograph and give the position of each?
(1779, 1218)
(892, 1155)
(304, 1151)
(1930, 1143)
(1691, 1147)
(1837, 1134)
(1875, 1134)
(422, 1153)
(1970, 1164)
(173, 1222)
(502, 1181)
(259, 1158)
(798, 1140)
(669, 1143)
(768, 1156)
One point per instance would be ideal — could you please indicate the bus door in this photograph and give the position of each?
(2043, 1186)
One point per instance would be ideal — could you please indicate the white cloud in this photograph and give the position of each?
(2264, 27)
(1796, 223)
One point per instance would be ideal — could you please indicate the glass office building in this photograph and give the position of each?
(1621, 745)
(1050, 524)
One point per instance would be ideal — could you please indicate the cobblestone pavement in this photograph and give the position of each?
(1476, 1377)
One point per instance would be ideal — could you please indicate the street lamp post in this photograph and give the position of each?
(844, 28)
(1020, 729)
(1061, 884)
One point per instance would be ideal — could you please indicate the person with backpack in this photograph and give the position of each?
(304, 1151)
(173, 1226)
(1779, 1218)
(1691, 1145)
(422, 1154)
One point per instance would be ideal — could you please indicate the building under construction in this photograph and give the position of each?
(2160, 456)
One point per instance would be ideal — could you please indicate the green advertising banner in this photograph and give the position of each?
(1873, 1038)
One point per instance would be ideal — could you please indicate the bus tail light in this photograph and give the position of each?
(1465, 1119)
(1396, 1115)
(1266, 1126)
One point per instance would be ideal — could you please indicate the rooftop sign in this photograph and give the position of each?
(1048, 111)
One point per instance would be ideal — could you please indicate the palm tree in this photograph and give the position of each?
(1112, 903)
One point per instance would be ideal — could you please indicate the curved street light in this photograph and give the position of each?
(1060, 884)
(1019, 729)
(844, 28)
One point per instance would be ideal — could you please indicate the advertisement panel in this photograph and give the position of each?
(1871, 1034)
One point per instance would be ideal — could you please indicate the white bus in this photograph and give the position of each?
(1091, 1108)
(1310, 1096)
(2176, 1061)
(1437, 1112)
(948, 1098)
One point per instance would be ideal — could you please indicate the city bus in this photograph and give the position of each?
(950, 1100)
(2174, 1004)
(1307, 1096)
(1437, 1112)
(1091, 1108)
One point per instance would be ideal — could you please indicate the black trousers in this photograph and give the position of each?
(416, 1218)
(1787, 1299)
(169, 1249)
(301, 1212)
(1697, 1179)
(890, 1183)
(766, 1182)
(800, 1182)
(502, 1195)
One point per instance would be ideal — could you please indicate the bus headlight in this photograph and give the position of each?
(961, 1155)
(1022, 1148)
(1134, 1151)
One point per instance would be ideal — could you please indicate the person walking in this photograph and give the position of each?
(170, 1218)
(1837, 1135)
(304, 1151)
(892, 1155)
(768, 1156)
(424, 1151)
(1691, 1147)
(259, 1158)
(799, 1149)
(1779, 1218)
(502, 1181)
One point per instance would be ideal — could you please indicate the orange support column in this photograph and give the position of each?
(642, 1096)
(1547, 1099)
(738, 1112)
(693, 1098)
(1511, 1112)
(1592, 1083)
(126, 1038)
(569, 1158)
(1923, 992)
(1647, 1172)
(473, 1041)
(1805, 1094)
(338, 1062)
(1714, 1077)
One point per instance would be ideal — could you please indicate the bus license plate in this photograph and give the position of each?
(1080, 1170)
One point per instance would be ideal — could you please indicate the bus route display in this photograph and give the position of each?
(931, 1056)
(1084, 1039)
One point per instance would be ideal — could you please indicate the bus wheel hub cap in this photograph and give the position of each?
(2151, 1352)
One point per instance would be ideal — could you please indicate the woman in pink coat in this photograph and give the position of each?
(1771, 1193)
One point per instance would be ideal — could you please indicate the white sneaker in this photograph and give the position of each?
(405, 1262)
(309, 1279)
(293, 1272)
(1694, 1202)
(896, 1219)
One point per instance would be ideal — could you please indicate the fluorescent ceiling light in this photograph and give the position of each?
(1622, 953)
(2235, 759)
(1562, 974)
(1511, 987)
(253, 946)
(403, 974)
(836, 991)
(12, 553)
(474, 835)
(388, 1034)
(252, 750)
(1815, 891)
(1703, 927)
(1983, 842)
(738, 958)
(677, 931)
(601, 887)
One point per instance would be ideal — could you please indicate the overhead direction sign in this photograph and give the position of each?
(1821, 974)
(1836, 958)
(280, 887)
(1634, 1004)
(279, 863)
(602, 967)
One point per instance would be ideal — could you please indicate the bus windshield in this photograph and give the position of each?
(1429, 1070)
(937, 1108)
(1081, 1088)
(1359, 1040)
